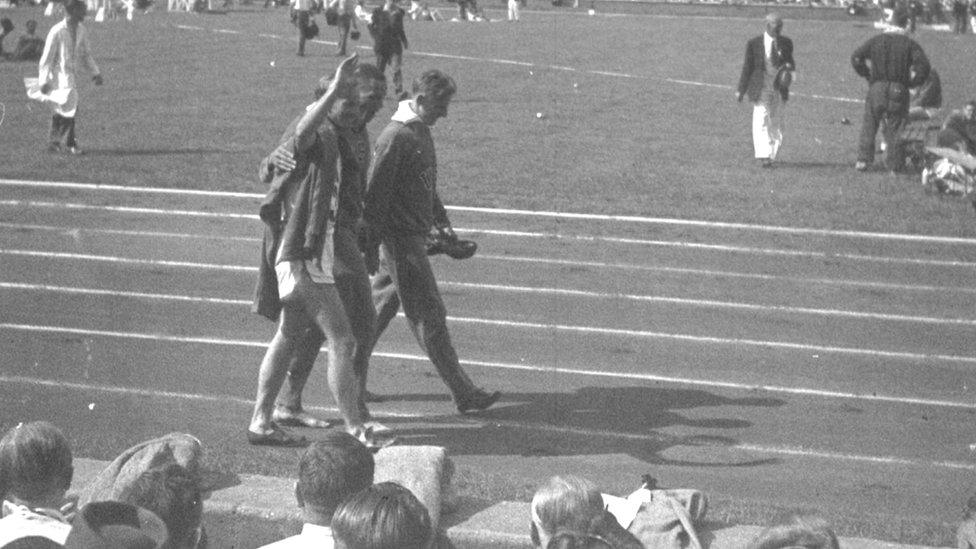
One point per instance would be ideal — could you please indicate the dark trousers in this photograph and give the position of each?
(343, 24)
(301, 22)
(960, 22)
(887, 103)
(406, 278)
(395, 60)
(63, 130)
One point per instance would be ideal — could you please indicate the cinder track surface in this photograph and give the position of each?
(769, 364)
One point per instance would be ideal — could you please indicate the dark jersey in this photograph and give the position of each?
(401, 192)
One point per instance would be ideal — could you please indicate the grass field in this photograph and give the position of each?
(638, 114)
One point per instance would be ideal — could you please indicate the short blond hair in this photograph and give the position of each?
(566, 503)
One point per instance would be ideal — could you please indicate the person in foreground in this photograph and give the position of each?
(330, 471)
(568, 513)
(765, 79)
(892, 63)
(173, 494)
(402, 206)
(809, 531)
(383, 516)
(36, 466)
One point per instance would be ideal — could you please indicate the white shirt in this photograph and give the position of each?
(20, 522)
(313, 536)
(63, 55)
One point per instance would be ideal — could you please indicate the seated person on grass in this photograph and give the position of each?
(35, 473)
(926, 100)
(959, 129)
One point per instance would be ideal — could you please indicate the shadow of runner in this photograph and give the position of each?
(593, 421)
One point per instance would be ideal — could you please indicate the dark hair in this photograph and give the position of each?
(32, 542)
(899, 16)
(365, 73)
(384, 516)
(332, 469)
(434, 83)
(172, 493)
(35, 461)
(807, 531)
(73, 5)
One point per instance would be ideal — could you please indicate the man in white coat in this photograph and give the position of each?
(65, 50)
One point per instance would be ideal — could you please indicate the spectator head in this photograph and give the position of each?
(897, 16)
(774, 24)
(970, 109)
(384, 516)
(432, 93)
(116, 525)
(331, 470)
(807, 531)
(32, 542)
(566, 539)
(173, 494)
(564, 503)
(35, 465)
(31, 26)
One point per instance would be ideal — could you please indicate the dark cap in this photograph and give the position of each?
(116, 525)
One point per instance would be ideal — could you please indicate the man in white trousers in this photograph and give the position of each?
(766, 76)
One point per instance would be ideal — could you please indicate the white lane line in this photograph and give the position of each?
(729, 274)
(808, 347)
(222, 399)
(128, 260)
(125, 232)
(705, 303)
(88, 388)
(123, 209)
(124, 189)
(629, 376)
(715, 304)
(567, 262)
(758, 251)
(666, 243)
(226, 31)
(546, 214)
(720, 225)
(118, 293)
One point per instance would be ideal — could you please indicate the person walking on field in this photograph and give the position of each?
(346, 21)
(351, 279)
(303, 16)
(892, 63)
(401, 208)
(314, 246)
(65, 51)
(765, 79)
(389, 41)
